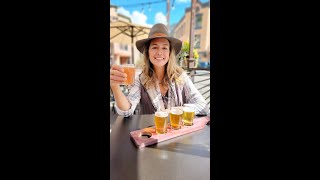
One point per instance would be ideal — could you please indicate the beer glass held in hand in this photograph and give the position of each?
(129, 69)
(160, 120)
(188, 116)
(175, 118)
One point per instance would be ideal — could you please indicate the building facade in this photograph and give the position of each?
(181, 30)
(120, 53)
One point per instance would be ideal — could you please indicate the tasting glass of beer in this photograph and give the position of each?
(188, 115)
(130, 70)
(160, 120)
(175, 118)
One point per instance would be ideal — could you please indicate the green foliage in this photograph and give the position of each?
(186, 49)
(185, 52)
(195, 54)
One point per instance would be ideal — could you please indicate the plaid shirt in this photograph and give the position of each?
(179, 94)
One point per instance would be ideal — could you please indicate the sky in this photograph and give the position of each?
(143, 13)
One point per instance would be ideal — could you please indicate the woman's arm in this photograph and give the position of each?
(117, 77)
(125, 105)
(133, 100)
(194, 97)
(121, 100)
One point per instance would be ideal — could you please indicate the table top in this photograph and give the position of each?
(184, 157)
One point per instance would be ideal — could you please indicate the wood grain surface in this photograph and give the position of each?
(148, 136)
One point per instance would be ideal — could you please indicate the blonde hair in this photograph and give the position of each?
(172, 70)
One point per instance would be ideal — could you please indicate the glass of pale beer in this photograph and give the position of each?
(175, 118)
(130, 70)
(188, 115)
(160, 120)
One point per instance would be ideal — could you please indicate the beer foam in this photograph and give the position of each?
(188, 109)
(128, 65)
(176, 111)
(161, 114)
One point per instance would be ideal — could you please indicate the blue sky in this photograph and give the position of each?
(142, 13)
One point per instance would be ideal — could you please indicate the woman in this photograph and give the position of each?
(162, 83)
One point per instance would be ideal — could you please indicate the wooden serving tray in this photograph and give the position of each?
(148, 136)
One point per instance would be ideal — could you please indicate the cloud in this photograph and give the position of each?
(160, 18)
(123, 11)
(183, 1)
(136, 17)
(139, 18)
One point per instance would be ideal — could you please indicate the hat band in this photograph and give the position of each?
(158, 35)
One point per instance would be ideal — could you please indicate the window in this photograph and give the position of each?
(198, 21)
(197, 41)
(124, 47)
(197, 9)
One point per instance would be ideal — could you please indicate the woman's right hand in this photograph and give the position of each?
(117, 75)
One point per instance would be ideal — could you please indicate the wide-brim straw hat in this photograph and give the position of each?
(159, 31)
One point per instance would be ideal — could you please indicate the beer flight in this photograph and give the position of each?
(178, 116)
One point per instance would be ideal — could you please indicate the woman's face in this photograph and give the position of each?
(159, 51)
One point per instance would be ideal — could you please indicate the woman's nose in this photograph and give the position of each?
(159, 52)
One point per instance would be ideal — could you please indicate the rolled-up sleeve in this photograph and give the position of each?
(133, 97)
(194, 97)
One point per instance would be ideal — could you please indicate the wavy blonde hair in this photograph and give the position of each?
(172, 70)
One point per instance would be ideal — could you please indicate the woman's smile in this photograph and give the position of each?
(159, 58)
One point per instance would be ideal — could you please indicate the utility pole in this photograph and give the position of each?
(191, 60)
(168, 15)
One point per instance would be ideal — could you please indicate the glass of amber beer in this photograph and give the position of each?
(160, 120)
(175, 118)
(188, 115)
(130, 70)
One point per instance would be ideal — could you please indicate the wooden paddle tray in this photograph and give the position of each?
(148, 136)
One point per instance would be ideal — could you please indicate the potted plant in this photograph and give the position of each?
(183, 56)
